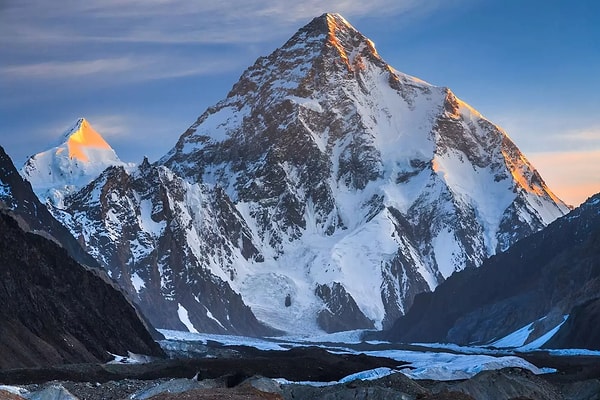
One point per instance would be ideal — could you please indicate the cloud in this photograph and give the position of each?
(122, 41)
(63, 69)
(588, 136)
(182, 21)
(549, 131)
(111, 126)
(116, 42)
(118, 70)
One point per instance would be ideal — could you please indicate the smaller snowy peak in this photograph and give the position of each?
(87, 145)
(79, 158)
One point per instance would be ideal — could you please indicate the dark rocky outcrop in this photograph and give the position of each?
(341, 312)
(581, 330)
(550, 274)
(54, 311)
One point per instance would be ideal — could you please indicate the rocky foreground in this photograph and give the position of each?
(245, 373)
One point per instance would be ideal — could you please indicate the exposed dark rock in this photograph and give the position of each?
(298, 364)
(156, 267)
(552, 273)
(248, 372)
(508, 383)
(396, 386)
(341, 312)
(54, 311)
(581, 330)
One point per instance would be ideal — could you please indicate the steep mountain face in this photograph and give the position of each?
(53, 309)
(327, 189)
(80, 157)
(348, 172)
(18, 200)
(539, 280)
(581, 330)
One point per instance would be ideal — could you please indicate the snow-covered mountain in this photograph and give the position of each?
(79, 158)
(325, 191)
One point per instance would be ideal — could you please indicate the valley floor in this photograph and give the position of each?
(332, 367)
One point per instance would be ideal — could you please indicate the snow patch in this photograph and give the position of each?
(518, 338)
(14, 390)
(131, 358)
(137, 282)
(185, 318)
(539, 342)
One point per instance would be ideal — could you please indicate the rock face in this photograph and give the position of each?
(54, 311)
(158, 236)
(581, 330)
(540, 279)
(325, 191)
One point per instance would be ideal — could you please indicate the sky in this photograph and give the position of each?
(142, 71)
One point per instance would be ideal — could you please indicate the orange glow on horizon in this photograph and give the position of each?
(574, 176)
(85, 137)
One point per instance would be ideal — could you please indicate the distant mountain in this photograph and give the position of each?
(325, 191)
(82, 154)
(54, 310)
(539, 280)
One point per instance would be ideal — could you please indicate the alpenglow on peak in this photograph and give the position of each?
(81, 155)
(81, 138)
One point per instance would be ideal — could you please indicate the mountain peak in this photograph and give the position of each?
(330, 23)
(322, 142)
(336, 21)
(341, 36)
(81, 156)
(80, 137)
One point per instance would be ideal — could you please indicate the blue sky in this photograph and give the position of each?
(142, 71)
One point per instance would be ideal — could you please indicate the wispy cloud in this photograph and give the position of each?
(182, 21)
(112, 127)
(126, 41)
(119, 69)
(62, 69)
(547, 130)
